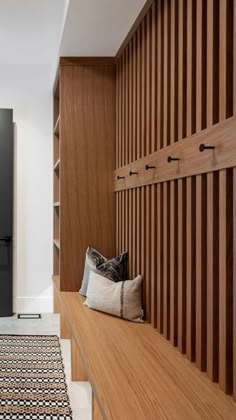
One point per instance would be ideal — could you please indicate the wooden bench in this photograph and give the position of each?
(134, 372)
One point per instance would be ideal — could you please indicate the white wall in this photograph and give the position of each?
(27, 89)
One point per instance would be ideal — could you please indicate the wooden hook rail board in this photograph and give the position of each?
(191, 161)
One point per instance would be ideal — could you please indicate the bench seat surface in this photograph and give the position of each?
(136, 374)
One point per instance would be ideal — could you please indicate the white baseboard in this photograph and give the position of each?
(33, 304)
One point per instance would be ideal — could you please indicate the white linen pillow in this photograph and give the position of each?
(122, 299)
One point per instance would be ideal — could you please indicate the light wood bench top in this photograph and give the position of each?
(136, 374)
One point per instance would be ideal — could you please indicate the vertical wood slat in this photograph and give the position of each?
(117, 223)
(212, 276)
(127, 220)
(130, 227)
(222, 53)
(234, 270)
(181, 265)
(199, 66)
(173, 74)
(153, 79)
(130, 140)
(173, 262)
(209, 69)
(201, 267)
(160, 260)
(234, 60)
(191, 268)
(123, 219)
(134, 139)
(166, 260)
(153, 256)
(138, 232)
(159, 60)
(189, 66)
(225, 280)
(143, 89)
(139, 137)
(134, 240)
(148, 82)
(123, 111)
(143, 248)
(147, 199)
(180, 71)
(117, 115)
(126, 106)
(165, 72)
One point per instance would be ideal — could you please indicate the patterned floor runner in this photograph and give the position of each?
(32, 379)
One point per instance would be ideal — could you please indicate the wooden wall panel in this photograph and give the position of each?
(225, 281)
(201, 270)
(212, 276)
(87, 132)
(191, 268)
(182, 265)
(176, 89)
(173, 263)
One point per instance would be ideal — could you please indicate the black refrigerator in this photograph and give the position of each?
(6, 210)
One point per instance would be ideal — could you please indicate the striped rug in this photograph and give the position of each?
(32, 379)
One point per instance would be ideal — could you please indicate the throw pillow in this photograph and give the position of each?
(122, 299)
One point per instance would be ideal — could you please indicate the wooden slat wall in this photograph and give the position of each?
(176, 77)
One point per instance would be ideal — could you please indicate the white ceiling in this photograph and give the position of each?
(98, 27)
(30, 30)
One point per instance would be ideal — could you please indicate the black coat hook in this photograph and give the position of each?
(132, 173)
(170, 158)
(147, 167)
(203, 147)
(120, 177)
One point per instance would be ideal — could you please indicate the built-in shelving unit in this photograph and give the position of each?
(56, 183)
(83, 165)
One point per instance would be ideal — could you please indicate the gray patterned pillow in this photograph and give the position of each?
(115, 269)
(92, 260)
(122, 299)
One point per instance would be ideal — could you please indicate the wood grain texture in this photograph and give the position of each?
(136, 354)
(87, 123)
(65, 332)
(174, 262)
(153, 254)
(182, 265)
(96, 413)
(191, 268)
(180, 74)
(166, 260)
(78, 374)
(234, 280)
(192, 162)
(159, 259)
(225, 281)
(213, 276)
(199, 69)
(201, 272)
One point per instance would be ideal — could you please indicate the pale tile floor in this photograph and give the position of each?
(79, 392)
